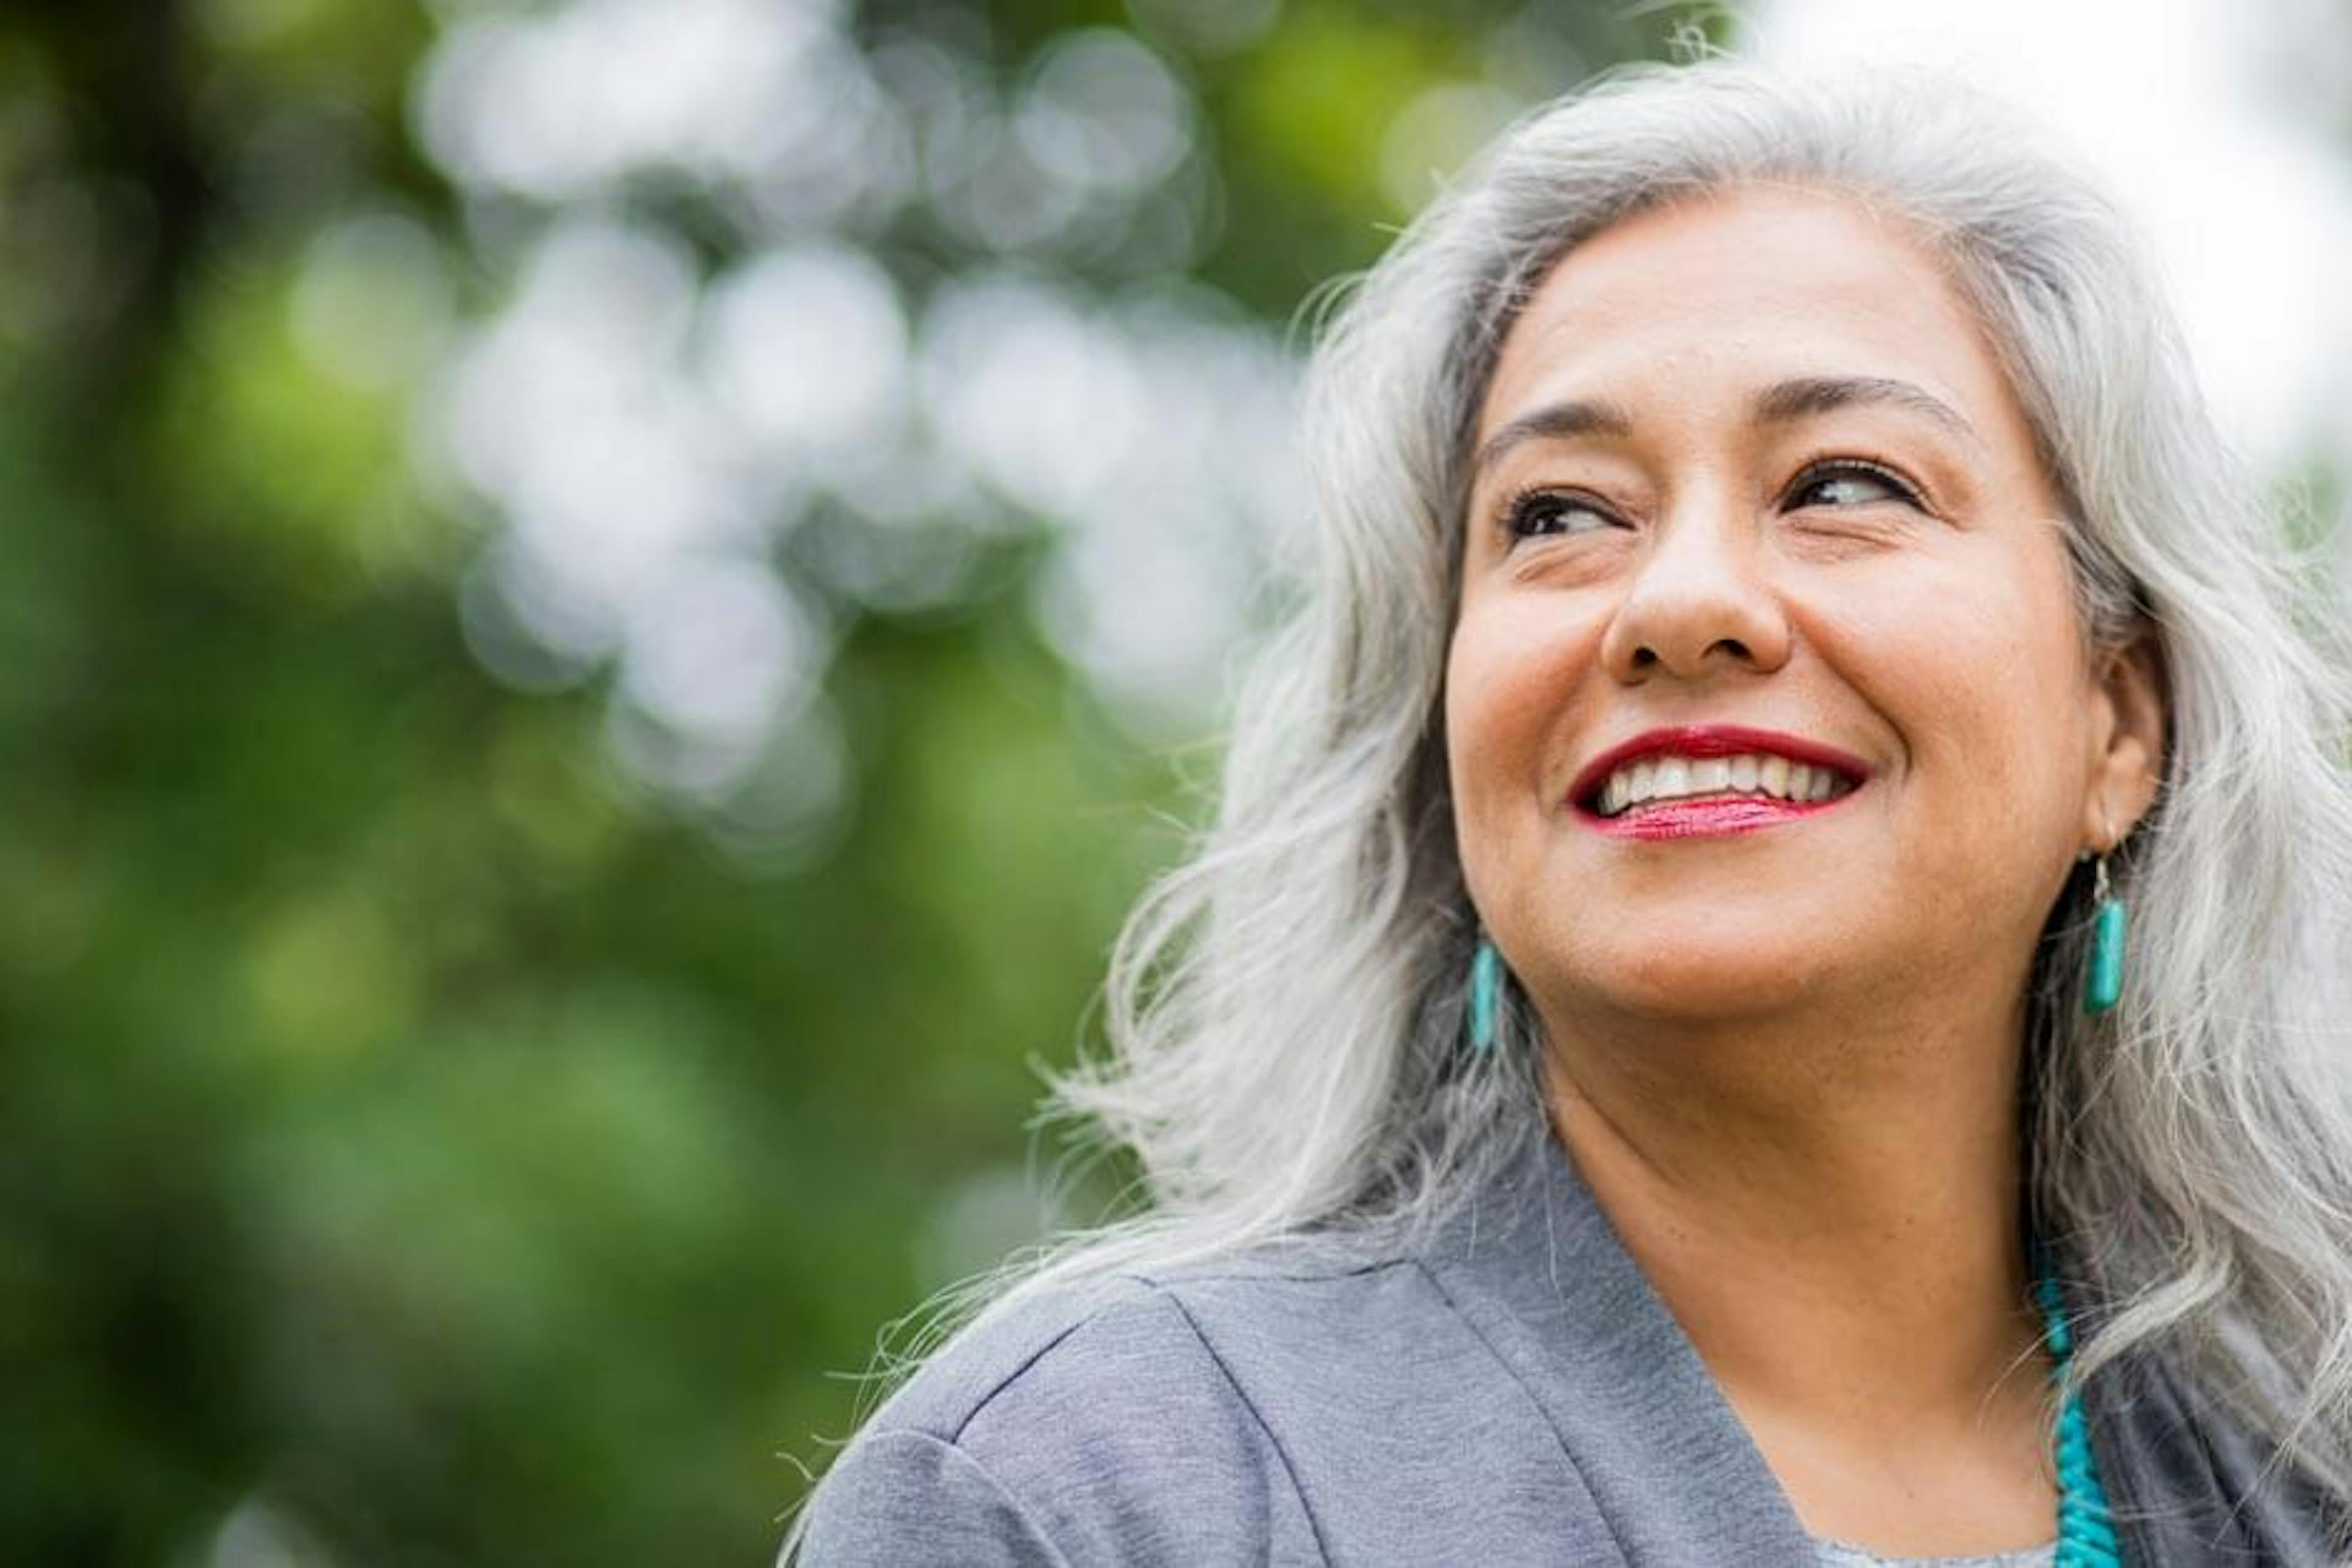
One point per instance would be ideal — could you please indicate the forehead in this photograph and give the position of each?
(1711, 299)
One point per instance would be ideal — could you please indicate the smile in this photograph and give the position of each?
(1672, 778)
(1711, 779)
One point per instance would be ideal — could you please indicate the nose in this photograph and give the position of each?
(1698, 603)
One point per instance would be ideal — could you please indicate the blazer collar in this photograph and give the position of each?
(1540, 1273)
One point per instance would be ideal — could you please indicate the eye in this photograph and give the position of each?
(1545, 511)
(1850, 482)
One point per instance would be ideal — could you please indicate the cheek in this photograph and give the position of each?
(1507, 671)
(1984, 684)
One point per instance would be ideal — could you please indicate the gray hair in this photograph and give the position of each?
(1283, 1010)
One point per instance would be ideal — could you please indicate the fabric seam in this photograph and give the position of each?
(1010, 1378)
(988, 1477)
(1314, 1525)
(1567, 1451)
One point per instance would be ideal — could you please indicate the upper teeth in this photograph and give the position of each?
(1670, 778)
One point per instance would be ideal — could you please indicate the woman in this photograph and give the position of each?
(1653, 1065)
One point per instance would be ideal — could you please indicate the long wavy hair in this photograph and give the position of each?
(1284, 1011)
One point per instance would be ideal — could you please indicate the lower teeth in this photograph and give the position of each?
(1732, 794)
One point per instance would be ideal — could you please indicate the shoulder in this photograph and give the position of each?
(1132, 1419)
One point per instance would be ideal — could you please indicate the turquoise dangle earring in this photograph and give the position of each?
(2103, 977)
(1486, 995)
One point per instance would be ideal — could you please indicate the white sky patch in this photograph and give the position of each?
(2208, 121)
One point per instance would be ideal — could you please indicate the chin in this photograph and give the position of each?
(1698, 979)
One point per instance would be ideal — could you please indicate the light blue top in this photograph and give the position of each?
(1509, 1392)
(1837, 1554)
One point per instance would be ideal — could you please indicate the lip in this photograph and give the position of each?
(1715, 741)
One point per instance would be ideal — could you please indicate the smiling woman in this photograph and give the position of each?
(1621, 1084)
(1768, 473)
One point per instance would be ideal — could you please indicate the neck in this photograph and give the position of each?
(1833, 1219)
(1834, 1216)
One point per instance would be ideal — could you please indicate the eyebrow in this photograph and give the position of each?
(1557, 422)
(1782, 403)
(1786, 402)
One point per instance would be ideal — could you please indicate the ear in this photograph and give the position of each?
(2128, 714)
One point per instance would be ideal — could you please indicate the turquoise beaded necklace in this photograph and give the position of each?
(2086, 1527)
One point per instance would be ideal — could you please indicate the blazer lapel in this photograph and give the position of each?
(1540, 1274)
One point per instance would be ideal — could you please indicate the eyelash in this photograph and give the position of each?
(1520, 508)
(1519, 511)
(1822, 467)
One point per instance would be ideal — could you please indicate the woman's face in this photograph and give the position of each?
(1768, 683)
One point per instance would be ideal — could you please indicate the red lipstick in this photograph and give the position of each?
(1710, 814)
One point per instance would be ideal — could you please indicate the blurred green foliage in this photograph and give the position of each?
(418, 1142)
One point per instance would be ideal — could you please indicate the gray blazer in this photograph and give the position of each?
(1513, 1392)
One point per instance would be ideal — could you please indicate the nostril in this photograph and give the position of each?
(1646, 658)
